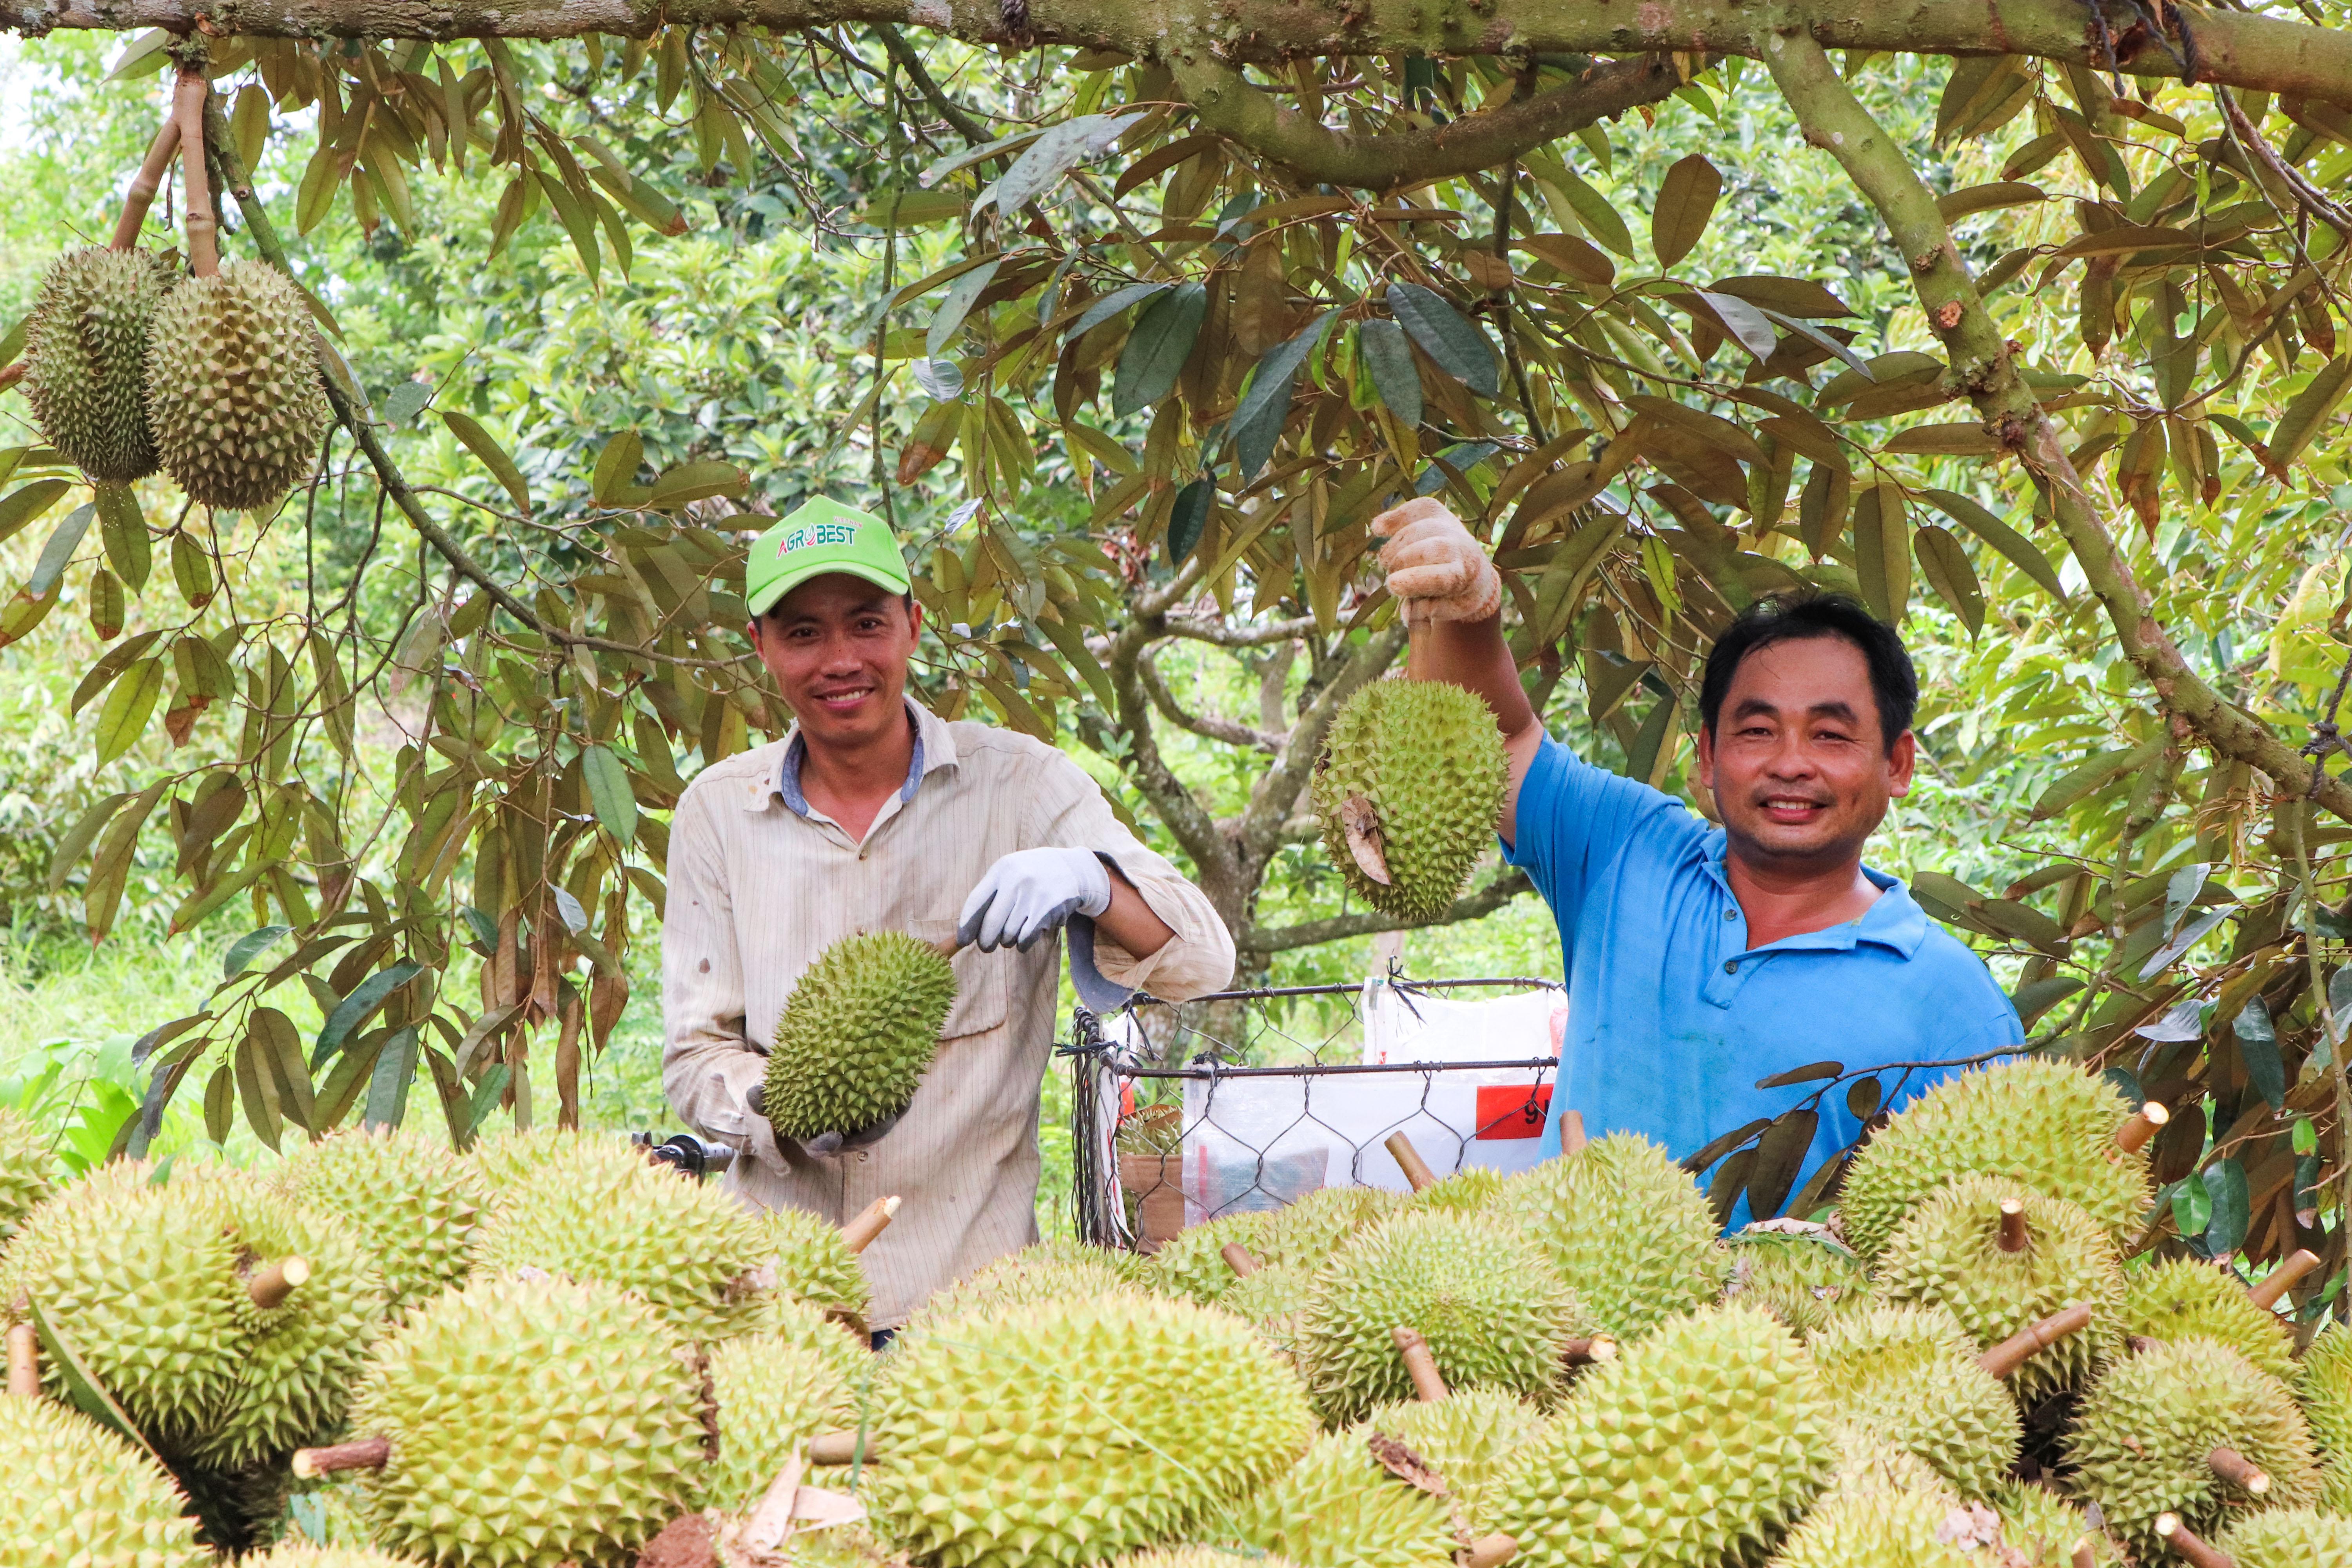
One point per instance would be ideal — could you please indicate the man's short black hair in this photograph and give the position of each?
(1788, 617)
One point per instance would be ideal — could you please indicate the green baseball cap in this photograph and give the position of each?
(821, 536)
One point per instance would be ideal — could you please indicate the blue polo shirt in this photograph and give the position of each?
(1671, 1017)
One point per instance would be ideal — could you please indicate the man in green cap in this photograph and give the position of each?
(876, 814)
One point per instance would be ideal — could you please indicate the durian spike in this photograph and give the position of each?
(276, 1279)
(1428, 1385)
(837, 1448)
(1490, 1551)
(2012, 1225)
(1572, 1133)
(24, 1360)
(144, 184)
(2134, 1134)
(860, 1233)
(1237, 1258)
(2185, 1542)
(1407, 1158)
(361, 1454)
(2013, 1352)
(1589, 1351)
(202, 226)
(2285, 1278)
(2238, 1472)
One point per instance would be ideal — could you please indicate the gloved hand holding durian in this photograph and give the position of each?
(1437, 571)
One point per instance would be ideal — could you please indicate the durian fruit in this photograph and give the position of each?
(1700, 1443)
(26, 1167)
(1198, 1557)
(595, 1208)
(1879, 1527)
(2040, 1529)
(2289, 1538)
(1341, 1507)
(1472, 1438)
(2040, 1122)
(1626, 1229)
(1191, 1264)
(1306, 1233)
(2144, 1437)
(1027, 1277)
(1274, 1302)
(1414, 770)
(1075, 1430)
(1908, 1375)
(1804, 1279)
(2186, 1298)
(303, 1554)
(857, 1035)
(144, 1285)
(234, 393)
(532, 1423)
(85, 358)
(815, 1264)
(1495, 1314)
(239, 1509)
(1950, 1253)
(771, 1396)
(414, 1203)
(77, 1496)
(502, 1160)
(2324, 1382)
(1466, 1190)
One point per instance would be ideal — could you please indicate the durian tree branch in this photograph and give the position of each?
(1984, 369)
(1207, 726)
(1213, 854)
(1226, 634)
(1260, 941)
(2238, 48)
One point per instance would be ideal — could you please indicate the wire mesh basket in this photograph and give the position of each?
(1250, 1100)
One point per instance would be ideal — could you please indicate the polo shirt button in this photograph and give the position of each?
(1731, 914)
(1731, 967)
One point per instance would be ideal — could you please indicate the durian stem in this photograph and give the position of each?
(146, 182)
(2185, 1542)
(2012, 1225)
(2285, 1278)
(1237, 1258)
(1490, 1551)
(1589, 1351)
(1407, 1158)
(365, 1454)
(860, 1233)
(274, 1281)
(2238, 1470)
(2013, 1352)
(833, 1448)
(1428, 1385)
(24, 1360)
(2085, 1554)
(203, 227)
(2145, 1123)
(1572, 1133)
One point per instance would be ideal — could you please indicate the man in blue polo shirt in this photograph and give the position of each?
(1702, 959)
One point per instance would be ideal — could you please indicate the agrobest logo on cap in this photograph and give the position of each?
(821, 536)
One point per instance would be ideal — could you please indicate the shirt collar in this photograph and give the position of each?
(934, 748)
(1894, 921)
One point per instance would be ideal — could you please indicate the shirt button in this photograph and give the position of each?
(1731, 914)
(1731, 967)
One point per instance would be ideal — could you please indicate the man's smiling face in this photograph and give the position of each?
(1801, 772)
(838, 646)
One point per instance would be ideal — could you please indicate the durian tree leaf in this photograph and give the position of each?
(695, 481)
(83, 1389)
(1862, 1098)
(387, 1094)
(77, 838)
(1111, 304)
(314, 198)
(280, 1048)
(1821, 1188)
(1043, 163)
(616, 474)
(11, 345)
(1820, 338)
(1731, 1181)
(2036, 998)
(1388, 359)
(256, 1090)
(353, 1010)
(1944, 563)
(609, 792)
(1811, 1072)
(1156, 349)
(251, 946)
(1686, 204)
(956, 304)
(1882, 552)
(1451, 340)
(485, 1099)
(1716, 1148)
(2225, 1191)
(141, 56)
(2310, 409)
(484, 446)
(128, 708)
(1264, 404)
(2258, 1051)
(1190, 518)
(1592, 209)
(58, 552)
(23, 506)
(2171, 952)
(192, 569)
(1780, 1153)
(2092, 773)
(122, 530)
(2022, 552)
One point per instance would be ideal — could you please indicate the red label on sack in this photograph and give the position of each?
(1512, 1110)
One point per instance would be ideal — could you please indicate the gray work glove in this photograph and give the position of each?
(756, 1098)
(1029, 894)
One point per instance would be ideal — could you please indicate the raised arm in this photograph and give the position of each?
(1451, 600)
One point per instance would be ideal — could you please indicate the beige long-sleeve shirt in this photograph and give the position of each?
(761, 883)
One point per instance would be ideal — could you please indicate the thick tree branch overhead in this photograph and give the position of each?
(2233, 48)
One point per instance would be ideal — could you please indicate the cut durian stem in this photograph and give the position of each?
(144, 184)
(361, 1454)
(1407, 1158)
(1572, 1133)
(1583, 1352)
(2190, 1547)
(2238, 1472)
(276, 1279)
(2086, 1556)
(2144, 1124)
(839, 1447)
(203, 228)
(2012, 1225)
(2285, 1278)
(1490, 1551)
(2019, 1347)
(1237, 1258)
(860, 1233)
(1420, 1365)
(24, 1360)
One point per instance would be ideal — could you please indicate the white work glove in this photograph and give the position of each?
(1028, 895)
(1437, 571)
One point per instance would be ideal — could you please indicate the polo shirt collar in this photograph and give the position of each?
(935, 748)
(1896, 922)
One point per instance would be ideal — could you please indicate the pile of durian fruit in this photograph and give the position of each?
(551, 1351)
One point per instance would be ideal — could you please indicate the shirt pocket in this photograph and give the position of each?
(983, 989)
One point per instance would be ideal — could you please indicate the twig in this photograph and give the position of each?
(190, 99)
(146, 182)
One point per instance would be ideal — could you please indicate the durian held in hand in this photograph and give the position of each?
(1408, 789)
(856, 1037)
(214, 376)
